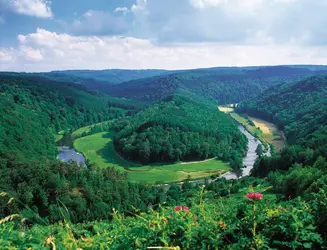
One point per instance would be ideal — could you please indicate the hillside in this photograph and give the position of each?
(178, 129)
(109, 76)
(298, 108)
(221, 85)
(33, 109)
(45, 203)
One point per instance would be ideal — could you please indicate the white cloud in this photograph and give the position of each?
(38, 8)
(125, 10)
(45, 51)
(206, 3)
(139, 5)
(5, 56)
(230, 21)
(31, 54)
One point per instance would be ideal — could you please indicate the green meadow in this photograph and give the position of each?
(98, 148)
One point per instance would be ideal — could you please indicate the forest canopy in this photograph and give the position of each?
(179, 129)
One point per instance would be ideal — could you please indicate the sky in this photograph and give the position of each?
(42, 35)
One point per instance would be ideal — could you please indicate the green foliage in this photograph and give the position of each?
(220, 85)
(100, 78)
(32, 109)
(228, 223)
(178, 129)
(299, 108)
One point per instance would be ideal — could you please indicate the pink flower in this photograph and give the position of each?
(178, 208)
(254, 196)
(186, 208)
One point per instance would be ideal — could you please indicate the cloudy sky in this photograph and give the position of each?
(42, 35)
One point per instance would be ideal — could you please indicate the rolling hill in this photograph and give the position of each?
(34, 108)
(221, 85)
(298, 108)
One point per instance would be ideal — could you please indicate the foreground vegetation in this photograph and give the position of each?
(222, 215)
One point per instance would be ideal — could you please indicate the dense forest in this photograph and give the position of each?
(47, 204)
(220, 85)
(300, 110)
(33, 109)
(111, 76)
(179, 129)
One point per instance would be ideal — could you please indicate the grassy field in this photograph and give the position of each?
(87, 129)
(270, 133)
(59, 135)
(99, 149)
(265, 131)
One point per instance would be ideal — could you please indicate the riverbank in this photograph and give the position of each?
(265, 131)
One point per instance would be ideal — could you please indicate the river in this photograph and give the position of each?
(248, 161)
(68, 154)
(250, 157)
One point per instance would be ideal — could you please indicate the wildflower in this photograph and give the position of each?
(254, 196)
(178, 208)
(222, 225)
(195, 217)
(186, 208)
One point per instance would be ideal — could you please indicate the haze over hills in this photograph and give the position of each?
(110, 76)
(221, 85)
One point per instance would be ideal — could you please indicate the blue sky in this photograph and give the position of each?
(41, 35)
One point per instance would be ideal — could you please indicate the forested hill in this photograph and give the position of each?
(298, 108)
(32, 109)
(178, 128)
(221, 85)
(109, 76)
(100, 79)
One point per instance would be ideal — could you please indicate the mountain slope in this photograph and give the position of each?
(299, 108)
(221, 85)
(34, 108)
(179, 129)
(104, 77)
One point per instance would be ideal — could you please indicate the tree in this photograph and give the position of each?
(259, 150)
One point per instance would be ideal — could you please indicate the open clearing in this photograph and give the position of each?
(98, 148)
(79, 132)
(265, 131)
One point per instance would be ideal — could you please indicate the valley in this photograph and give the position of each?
(265, 131)
(99, 149)
(172, 125)
(159, 142)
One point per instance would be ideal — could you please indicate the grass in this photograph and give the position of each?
(86, 129)
(99, 149)
(58, 137)
(270, 133)
(265, 131)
